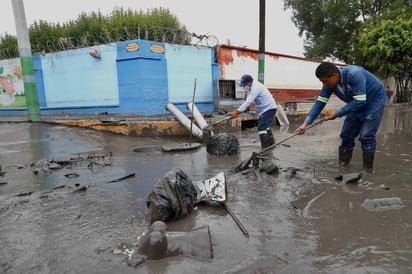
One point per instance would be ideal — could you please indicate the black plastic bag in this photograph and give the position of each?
(172, 198)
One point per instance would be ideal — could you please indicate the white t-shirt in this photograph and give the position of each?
(261, 96)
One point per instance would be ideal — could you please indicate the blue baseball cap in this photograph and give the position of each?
(246, 78)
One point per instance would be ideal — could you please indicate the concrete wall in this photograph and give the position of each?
(132, 77)
(289, 78)
(142, 74)
(11, 84)
(183, 74)
(141, 77)
(281, 71)
(74, 78)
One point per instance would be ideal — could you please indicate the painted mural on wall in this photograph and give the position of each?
(11, 84)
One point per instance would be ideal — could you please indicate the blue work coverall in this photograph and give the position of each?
(365, 96)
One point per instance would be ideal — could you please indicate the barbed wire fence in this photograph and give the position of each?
(160, 34)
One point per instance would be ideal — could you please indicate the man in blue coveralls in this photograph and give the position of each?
(365, 98)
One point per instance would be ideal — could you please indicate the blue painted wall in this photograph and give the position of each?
(142, 74)
(132, 77)
(74, 78)
(185, 65)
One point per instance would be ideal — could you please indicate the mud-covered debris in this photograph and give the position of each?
(24, 193)
(132, 175)
(381, 204)
(157, 244)
(53, 166)
(290, 173)
(222, 144)
(269, 166)
(383, 187)
(172, 198)
(80, 190)
(350, 178)
(71, 175)
(46, 166)
(124, 248)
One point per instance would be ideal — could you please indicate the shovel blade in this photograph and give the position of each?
(212, 189)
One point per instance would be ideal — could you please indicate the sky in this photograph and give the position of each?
(234, 20)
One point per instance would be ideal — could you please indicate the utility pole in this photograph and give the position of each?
(26, 60)
(262, 31)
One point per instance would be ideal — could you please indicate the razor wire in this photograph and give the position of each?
(7, 53)
(160, 34)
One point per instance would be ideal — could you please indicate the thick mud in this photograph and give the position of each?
(69, 196)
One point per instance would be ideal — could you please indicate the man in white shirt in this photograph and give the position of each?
(265, 107)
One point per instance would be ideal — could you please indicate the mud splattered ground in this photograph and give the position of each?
(68, 196)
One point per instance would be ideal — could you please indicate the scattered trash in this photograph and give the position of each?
(132, 175)
(382, 204)
(175, 195)
(71, 175)
(290, 173)
(222, 144)
(157, 244)
(349, 178)
(24, 193)
(80, 190)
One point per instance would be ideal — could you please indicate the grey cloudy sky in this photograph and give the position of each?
(234, 20)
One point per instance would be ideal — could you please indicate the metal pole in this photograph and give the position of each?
(26, 60)
(193, 104)
(262, 25)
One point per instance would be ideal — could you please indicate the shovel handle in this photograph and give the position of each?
(220, 121)
(291, 136)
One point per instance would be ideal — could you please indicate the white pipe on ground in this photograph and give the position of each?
(196, 131)
(201, 122)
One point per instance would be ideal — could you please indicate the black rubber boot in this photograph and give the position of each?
(368, 158)
(264, 140)
(345, 155)
(271, 138)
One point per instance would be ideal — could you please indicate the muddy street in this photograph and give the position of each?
(69, 196)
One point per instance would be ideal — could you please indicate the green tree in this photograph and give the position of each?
(8, 46)
(385, 46)
(156, 24)
(330, 28)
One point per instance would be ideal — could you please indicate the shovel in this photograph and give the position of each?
(256, 155)
(220, 121)
(207, 131)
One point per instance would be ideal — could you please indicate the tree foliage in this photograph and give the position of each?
(8, 46)
(330, 28)
(385, 46)
(157, 24)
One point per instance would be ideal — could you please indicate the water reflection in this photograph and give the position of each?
(351, 238)
(37, 132)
